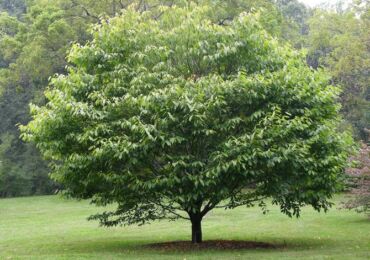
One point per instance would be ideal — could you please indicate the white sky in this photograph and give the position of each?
(313, 3)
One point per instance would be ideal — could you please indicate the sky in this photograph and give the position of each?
(313, 3)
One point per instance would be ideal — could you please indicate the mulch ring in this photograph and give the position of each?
(211, 244)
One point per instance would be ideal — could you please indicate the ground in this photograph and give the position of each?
(49, 227)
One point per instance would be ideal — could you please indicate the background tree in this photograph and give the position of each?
(360, 180)
(13, 7)
(34, 39)
(294, 21)
(338, 41)
(172, 116)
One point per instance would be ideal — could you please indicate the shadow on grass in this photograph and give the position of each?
(134, 246)
(271, 244)
(365, 220)
(211, 245)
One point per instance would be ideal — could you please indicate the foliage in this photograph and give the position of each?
(360, 175)
(339, 42)
(294, 25)
(35, 35)
(33, 46)
(173, 116)
(34, 38)
(13, 7)
(13, 178)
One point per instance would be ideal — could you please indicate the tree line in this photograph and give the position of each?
(36, 35)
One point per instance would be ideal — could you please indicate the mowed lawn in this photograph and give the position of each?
(50, 227)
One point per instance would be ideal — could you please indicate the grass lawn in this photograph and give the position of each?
(50, 227)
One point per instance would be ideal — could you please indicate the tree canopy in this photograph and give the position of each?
(169, 114)
(35, 36)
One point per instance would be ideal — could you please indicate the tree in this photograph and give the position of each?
(360, 177)
(339, 42)
(14, 7)
(173, 116)
(294, 25)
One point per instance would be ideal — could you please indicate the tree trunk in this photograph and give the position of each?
(114, 7)
(196, 230)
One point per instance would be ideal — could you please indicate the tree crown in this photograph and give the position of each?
(167, 111)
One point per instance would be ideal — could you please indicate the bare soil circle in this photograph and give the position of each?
(211, 244)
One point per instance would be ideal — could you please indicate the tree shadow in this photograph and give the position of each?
(211, 245)
(365, 220)
(271, 244)
(132, 245)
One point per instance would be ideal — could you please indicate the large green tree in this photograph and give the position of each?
(173, 115)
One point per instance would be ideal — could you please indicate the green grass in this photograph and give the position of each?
(50, 227)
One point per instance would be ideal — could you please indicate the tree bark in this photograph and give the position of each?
(196, 229)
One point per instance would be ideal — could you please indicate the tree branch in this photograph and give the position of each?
(87, 12)
(124, 6)
(170, 209)
(242, 203)
(208, 207)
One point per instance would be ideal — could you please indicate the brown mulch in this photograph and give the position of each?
(211, 244)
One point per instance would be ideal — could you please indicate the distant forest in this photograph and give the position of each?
(35, 36)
